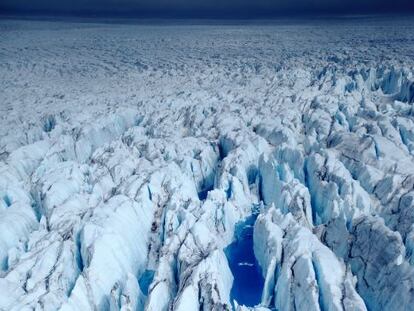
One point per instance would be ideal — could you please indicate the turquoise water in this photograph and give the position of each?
(248, 281)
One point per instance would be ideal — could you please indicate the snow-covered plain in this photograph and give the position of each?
(132, 157)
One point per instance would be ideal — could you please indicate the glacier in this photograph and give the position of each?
(267, 166)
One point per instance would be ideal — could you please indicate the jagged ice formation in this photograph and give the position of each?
(207, 167)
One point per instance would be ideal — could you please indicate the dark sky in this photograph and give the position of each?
(204, 8)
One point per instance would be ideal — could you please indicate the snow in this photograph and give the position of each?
(132, 154)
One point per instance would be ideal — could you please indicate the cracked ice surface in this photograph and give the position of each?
(131, 154)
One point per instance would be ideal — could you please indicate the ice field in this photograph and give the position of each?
(204, 166)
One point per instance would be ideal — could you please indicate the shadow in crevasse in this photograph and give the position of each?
(145, 281)
(248, 280)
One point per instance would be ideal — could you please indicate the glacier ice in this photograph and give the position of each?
(207, 167)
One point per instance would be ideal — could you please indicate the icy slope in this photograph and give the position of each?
(189, 167)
